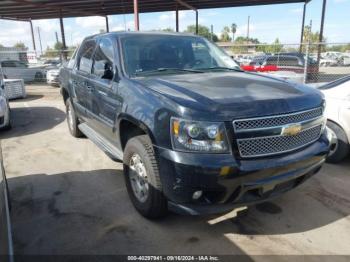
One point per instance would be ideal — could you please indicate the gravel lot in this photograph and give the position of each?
(69, 198)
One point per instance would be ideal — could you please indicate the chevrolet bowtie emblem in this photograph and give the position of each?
(291, 130)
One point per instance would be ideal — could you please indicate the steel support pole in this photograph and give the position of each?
(196, 22)
(320, 40)
(64, 46)
(177, 18)
(136, 15)
(302, 29)
(41, 46)
(107, 24)
(32, 31)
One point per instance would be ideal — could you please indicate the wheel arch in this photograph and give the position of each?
(134, 126)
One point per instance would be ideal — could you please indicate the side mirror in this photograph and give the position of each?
(108, 72)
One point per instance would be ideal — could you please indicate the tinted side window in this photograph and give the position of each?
(8, 64)
(85, 56)
(103, 60)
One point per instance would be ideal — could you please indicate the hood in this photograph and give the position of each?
(232, 95)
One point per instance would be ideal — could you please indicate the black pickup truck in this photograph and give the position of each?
(195, 133)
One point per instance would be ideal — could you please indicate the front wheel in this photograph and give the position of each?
(142, 178)
(339, 145)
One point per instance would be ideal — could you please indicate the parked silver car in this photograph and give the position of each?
(19, 70)
(5, 119)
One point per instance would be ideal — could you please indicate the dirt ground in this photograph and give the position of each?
(69, 198)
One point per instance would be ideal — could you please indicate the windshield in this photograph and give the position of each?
(161, 54)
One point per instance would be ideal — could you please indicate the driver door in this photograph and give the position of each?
(104, 95)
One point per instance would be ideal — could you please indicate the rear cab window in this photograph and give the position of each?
(84, 63)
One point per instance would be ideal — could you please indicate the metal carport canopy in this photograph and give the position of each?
(46, 9)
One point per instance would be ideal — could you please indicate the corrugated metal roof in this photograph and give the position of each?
(45, 9)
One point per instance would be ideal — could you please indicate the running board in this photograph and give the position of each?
(112, 151)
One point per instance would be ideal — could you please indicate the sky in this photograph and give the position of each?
(267, 23)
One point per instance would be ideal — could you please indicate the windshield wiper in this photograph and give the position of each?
(164, 69)
(222, 68)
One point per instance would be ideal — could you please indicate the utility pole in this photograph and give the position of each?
(248, 28)
(211, 32)
(56, 37)
(41, 46)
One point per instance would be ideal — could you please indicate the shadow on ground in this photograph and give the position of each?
(30, 120)
(90, 213)
(28, 98)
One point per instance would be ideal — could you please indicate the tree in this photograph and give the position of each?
(274, 48)
(168, 29)
(58, 46)
(202, 31)
(20, 45)
(313, 39)
(243, 44)
(1, 45)
(225, 34)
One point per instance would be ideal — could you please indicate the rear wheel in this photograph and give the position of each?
(142, 178)
(72, 120)
(39, 76)
(339, 145)
(8, 125)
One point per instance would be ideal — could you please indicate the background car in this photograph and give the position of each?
(19, 70)
(294, 62)
(52, 76)
(5, 122)
(337, 96)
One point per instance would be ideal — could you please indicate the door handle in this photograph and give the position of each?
(89, 87)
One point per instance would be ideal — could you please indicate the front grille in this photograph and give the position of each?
(273, 121)
(264, 136)
(263, 146)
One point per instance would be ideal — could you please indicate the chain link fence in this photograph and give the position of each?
(305, 63)
(32, 66)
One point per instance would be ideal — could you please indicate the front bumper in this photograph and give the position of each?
(52, 79)
(228, 183)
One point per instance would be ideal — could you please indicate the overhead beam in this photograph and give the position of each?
(183, 3)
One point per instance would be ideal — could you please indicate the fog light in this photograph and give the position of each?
(196, 195)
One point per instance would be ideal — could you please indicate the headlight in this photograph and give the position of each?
(198, 136)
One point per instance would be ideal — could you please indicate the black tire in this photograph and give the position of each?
(73, 127)
(342, 148)
(9, 125)
(39, 76)
(155, 205)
